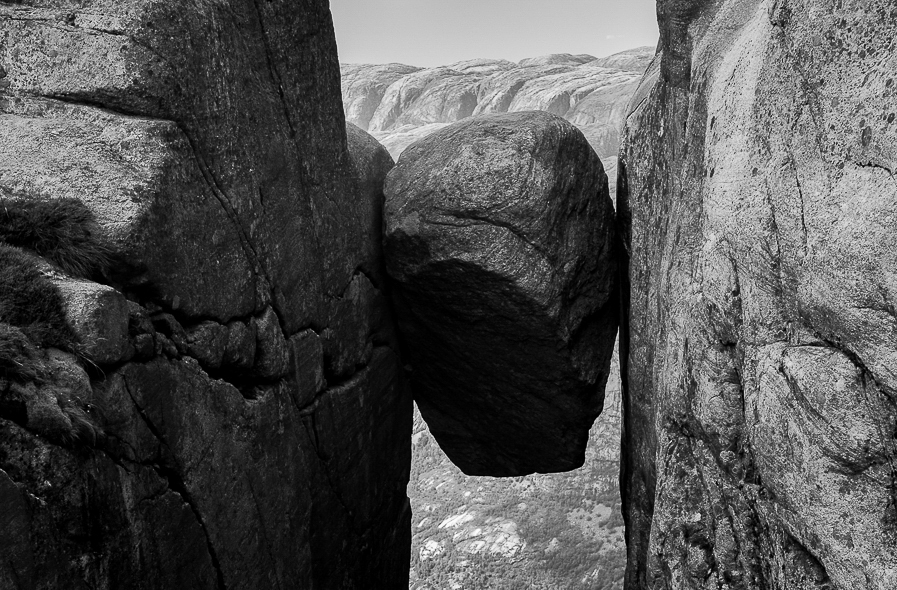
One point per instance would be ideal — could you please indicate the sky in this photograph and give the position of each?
(439, 32)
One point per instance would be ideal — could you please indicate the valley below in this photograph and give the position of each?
(547, 532)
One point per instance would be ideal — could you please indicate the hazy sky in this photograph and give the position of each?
(438, 32)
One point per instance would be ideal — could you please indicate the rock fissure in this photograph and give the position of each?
(803, 206)
(228, 206)
(874, 166)
(486, 219)
(177, 484)
(263, 529)
(85, 101)
(275, 75)
(324, 463)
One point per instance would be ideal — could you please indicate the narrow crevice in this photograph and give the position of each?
(51, 19)
(485, 220)
(83, 101)
(230, 210)
(873, 165)
(177, 485)
(800, 195)
(275, 75)
(309, 421)
(343, 382)
(263, 531)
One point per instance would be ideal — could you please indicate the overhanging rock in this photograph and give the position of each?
(499, 240)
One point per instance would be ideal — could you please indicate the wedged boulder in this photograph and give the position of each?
(499, 240)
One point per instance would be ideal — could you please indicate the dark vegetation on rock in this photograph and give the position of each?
(31, 302)
(18, 356)
(500, 243)
(62, 230)
(33, 318)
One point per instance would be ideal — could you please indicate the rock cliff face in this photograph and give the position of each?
(400, 104)
(500, 242)
(760, 395)
(241, 422)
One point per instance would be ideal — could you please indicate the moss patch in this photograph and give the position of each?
(63, 231)
(30, 302)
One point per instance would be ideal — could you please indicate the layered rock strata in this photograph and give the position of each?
(500, 243)
(243, 421)
(400, 104)
(757, 189)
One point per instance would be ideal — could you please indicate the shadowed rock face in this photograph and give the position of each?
(757, 186)
(499, 241)
(249, 425)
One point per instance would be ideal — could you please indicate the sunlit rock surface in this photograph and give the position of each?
(500, 243)
(757, 182)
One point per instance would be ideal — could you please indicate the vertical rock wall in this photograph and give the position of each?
(254, 429)
(757, 188)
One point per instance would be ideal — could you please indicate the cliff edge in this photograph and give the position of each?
(221, 406)
(757, 189)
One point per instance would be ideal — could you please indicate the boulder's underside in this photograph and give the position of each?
(757, 187)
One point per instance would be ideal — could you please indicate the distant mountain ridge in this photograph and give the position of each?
(398, 104)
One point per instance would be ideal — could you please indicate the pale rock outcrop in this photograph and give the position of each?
(482, 66)
(500, 243)
(760, 396)
(397, 140)
(498, 91)
(633, 60)
(557, 59)
(590, 92)
(364, 86)
(233, 414)
(446, 91)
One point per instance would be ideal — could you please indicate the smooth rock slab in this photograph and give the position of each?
(499, 240)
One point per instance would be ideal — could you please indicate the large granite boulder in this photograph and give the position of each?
(229, 410)
(500, 242)
(757, 183)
